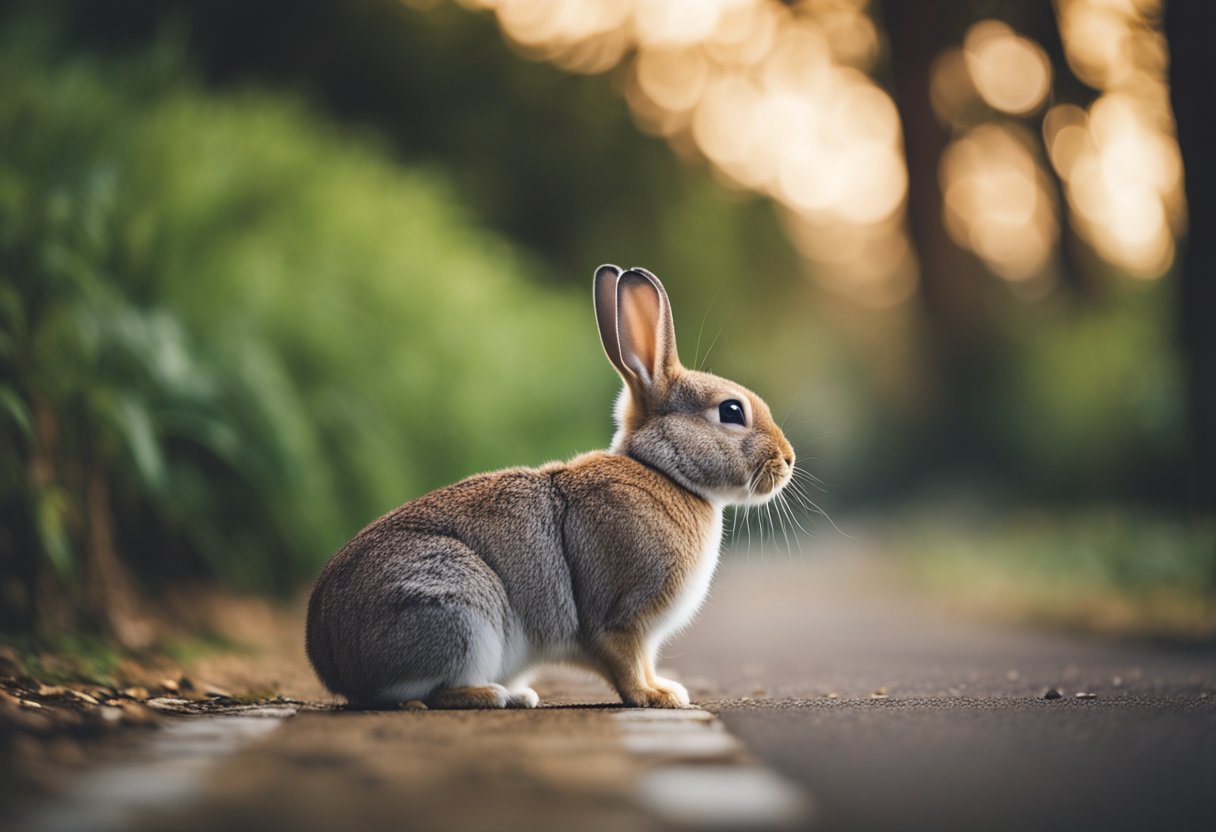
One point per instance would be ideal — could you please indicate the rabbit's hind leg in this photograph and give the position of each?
(446, 633)
(470, 690)
(475, 696)
(483, 696)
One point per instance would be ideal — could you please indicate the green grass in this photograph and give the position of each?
(1109, 570)
(59, 656)
(251, 327)
(67, 656)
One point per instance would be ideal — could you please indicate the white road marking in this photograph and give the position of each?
(168, 770)
(696, 774)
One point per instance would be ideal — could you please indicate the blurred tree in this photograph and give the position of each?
(949, 276)
(1190, 27)
(550, 159)
(958, 327)
(336, 289)
(231, 334)
(1077, 269)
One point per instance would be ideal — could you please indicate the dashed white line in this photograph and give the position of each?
(696, 774)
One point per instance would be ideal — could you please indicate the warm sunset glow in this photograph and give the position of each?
(774, 97)
(997, 201)
(1011, 73)
(1119, 159)
(952, 90)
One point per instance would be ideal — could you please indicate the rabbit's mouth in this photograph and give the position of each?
(767, 482)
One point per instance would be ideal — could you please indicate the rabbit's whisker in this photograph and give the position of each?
(696, 355)
(828, 517)
(789, 552)
(712, 344)
(786, 529)
(809, 477)
(790, 511)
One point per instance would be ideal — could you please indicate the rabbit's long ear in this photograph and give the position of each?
(646, 334)
(605, 314)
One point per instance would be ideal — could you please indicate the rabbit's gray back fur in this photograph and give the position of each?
(489, 577)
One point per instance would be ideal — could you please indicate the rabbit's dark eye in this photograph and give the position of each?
(730, 412)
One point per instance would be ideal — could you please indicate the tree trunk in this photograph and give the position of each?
(1076, 261)
(111, 592)
(949, 276)
(958, 335)
(1191, 31)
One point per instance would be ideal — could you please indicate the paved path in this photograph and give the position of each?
(828, 705)
(963, 738)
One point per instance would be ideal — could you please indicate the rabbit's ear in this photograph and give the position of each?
(646, 334)
(605, 314)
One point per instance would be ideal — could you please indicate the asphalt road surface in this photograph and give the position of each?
(828, 704)
(963, 738)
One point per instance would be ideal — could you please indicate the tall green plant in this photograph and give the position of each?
(232, 334)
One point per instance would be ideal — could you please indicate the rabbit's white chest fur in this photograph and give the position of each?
(691, 595)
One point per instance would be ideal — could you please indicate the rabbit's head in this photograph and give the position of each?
(713, 436)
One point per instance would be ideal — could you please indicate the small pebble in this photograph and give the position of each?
(833, 695)
(414, 705)
(134, 713)
(1083, 695)
(1052, 694)
(881, 693)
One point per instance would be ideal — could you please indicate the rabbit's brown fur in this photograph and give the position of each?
(457, 596)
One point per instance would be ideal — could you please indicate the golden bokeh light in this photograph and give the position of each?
(1011, 73)
(952, 92)
(775, 97)
(1119, 159)
(745, 34)
(997, 201)
(674, 80)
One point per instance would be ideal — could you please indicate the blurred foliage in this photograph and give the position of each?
(1112, 570)
(252, 327)
(67, 656)
(1093, 401)
(552, 160)
(237, 323)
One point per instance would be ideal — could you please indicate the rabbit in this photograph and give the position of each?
(456, 597)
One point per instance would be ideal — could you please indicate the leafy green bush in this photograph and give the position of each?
(233, 334)
(1093, 400)
(1105, 569)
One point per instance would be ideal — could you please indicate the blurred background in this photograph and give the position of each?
(268, 271)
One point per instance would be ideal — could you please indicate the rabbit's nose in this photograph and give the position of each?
(789, 459)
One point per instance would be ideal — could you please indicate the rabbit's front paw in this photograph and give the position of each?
(523, 698)
(664, 694)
